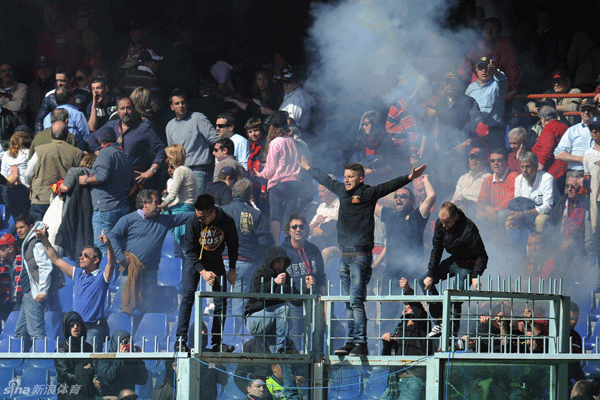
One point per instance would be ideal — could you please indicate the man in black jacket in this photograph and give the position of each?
(77, 372)
(356, 229)
(205, 239)
(459, 236)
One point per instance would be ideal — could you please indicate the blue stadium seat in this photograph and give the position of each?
(115, 304)
(41, 346)
(590, 342)
(6, 374)
(66, 295)
(10, 324)
(168, 247)
(345, 383)
(120, 321)
(166, 300)
(33, 376)
(153, 326)
(170, 272)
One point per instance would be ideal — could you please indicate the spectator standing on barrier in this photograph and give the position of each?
(206, 235)
(75, 372)
(356, 226)
(254, 238)
(408, 339)
(576, 140)
(459, 236)
(196, 134)
(137, 239)
(90, 285)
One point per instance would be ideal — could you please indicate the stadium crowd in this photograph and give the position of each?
(100, 165)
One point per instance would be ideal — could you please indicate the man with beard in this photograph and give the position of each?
(404, 249)
(137, 138)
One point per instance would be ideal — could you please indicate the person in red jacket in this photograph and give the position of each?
(543, 148)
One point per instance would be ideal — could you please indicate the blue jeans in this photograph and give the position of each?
(201, 178)
(355, 274)
(104, 221)
(453, 268)
(31, 318)
(243, 284)
(410, 388)
(98, 332)
(271, 325)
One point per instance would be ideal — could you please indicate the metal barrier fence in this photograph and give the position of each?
(469, 360)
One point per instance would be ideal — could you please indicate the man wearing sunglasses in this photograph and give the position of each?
(405, 250)
(226, 130)
(576, 140)
(90, 285)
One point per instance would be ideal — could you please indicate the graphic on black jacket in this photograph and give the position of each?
(211, 238)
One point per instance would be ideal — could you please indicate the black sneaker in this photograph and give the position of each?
(223, 348)
(359, 349)
(344, 351)
(181, 347)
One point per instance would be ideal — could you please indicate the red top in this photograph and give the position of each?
(545, 145)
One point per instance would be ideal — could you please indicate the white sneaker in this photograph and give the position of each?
(436, 331)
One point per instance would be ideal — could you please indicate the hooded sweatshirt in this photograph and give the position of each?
(66, 368)
(118, 374)
(205, 243)
(261, 281)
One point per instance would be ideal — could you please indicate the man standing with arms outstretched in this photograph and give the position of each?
(356, 227)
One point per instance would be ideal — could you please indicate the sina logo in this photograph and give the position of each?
(13, 387)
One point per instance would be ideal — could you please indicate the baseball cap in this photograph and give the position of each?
(108, 136)
(559, 74)
(485, 60)
(476, 152)
(229, 171)
(594, 122)
(7, 239)
(588, 102)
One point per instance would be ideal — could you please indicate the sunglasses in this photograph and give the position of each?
(294, 227)
(84, 255)
(217, 149)
(495, 160)
(4, 70)
(572, 187)
(402, 196)
(221, 126)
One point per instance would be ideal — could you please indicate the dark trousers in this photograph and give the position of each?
(191, 279)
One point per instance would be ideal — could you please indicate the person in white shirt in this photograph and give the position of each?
(323, 229)
(225, 129)
(15, 193)
(296, 101)
(468, 186)
(536, 185)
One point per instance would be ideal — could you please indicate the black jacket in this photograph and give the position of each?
(71, 371)
(254, 235)
(207, 253)
(298, 269)
(356, 221)
(261, 281)
(462, 241)
(118, 374)
(221, 192)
